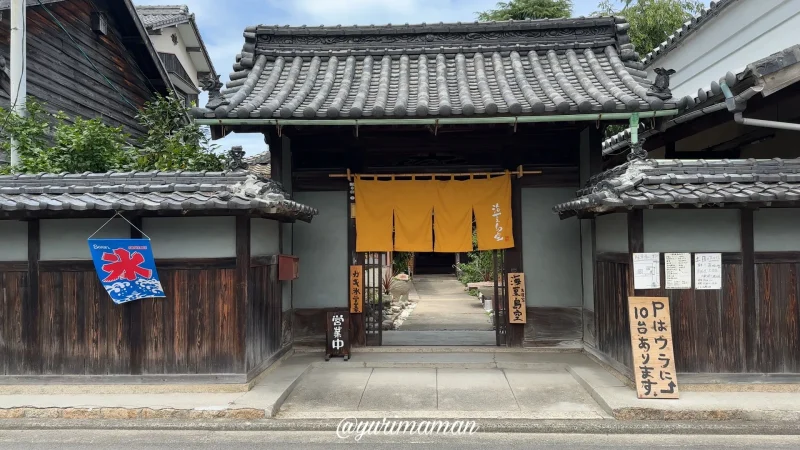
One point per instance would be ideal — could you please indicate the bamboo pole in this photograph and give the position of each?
(519, 173)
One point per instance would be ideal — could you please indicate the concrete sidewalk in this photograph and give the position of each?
(523, 385)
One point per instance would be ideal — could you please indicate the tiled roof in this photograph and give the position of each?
(160, 16)
(149, 191)
(259, 164)
(712, 100)
(688, 28)
(531, 67)
(644, 183)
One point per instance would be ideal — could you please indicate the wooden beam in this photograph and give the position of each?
(30, 307)
(513, 257)
(635, 242)
(241, 303)
(669, 150)
(134, 314)
(749, 299)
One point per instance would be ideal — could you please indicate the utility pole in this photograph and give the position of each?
(18, 72)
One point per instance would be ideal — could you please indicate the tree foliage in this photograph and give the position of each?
(172, 142)
(652, 21)
(56, 143)
(528, 9)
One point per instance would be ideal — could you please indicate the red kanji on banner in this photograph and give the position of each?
(123, 264)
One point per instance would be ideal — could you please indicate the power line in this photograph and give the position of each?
(109, 82)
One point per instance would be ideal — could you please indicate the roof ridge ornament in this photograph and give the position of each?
(660, 87)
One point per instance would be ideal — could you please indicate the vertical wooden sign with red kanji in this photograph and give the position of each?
(356, 289)
(651, 341)
(516, 299)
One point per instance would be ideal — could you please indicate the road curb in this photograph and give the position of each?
(485, 426)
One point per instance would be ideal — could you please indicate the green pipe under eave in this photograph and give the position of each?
(444, 120)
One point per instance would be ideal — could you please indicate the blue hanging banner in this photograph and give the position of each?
(126, 268)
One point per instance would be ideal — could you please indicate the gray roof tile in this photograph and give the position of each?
(485, 68)
(653, 182)
(150, 191)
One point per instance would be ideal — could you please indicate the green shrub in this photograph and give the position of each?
(58, 143)
(479, 266)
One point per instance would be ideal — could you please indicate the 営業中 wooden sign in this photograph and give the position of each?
(516, 298)
(356, 289)
(651, 341)
(338, 334)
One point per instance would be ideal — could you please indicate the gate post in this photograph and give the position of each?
(513, 259)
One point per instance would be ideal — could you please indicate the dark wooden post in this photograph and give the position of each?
(358, 332)
(30, 308)
(241, 305)
(635, 243)
(669, 150)
(749, 289)
(513, 259)
(133, 311)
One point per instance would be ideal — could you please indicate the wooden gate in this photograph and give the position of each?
(373, 296)
(500, 299)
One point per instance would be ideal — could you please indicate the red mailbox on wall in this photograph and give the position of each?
(288, 267)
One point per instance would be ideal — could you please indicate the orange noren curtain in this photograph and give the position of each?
(452, 217)
(413, 210)
(492, 208)
(373, 215)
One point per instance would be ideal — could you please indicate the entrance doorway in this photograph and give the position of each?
(434, 263)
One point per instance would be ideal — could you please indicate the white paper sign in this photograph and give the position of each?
(708, 271)
(678, 270)
(646, 271)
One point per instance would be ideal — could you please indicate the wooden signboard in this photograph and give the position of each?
(356, 289)
(651, 340)
(516, 298)
(338, 335)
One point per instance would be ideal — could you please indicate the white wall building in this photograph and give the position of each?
(174, 34)
(725, 38)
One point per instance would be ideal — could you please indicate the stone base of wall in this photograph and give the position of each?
(551, 326)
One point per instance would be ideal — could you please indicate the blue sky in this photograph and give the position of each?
(222, 22)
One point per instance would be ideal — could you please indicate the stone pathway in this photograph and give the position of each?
(540, 391)
(444, 305)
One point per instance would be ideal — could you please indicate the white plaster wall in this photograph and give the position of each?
(13, 240)
(192, 237)
(551, 249)
(322, 248)
(691, 230)
(67, 238)
(744, 32)
(163, 43)
(612, 233)
(264, 237)
(776, 230)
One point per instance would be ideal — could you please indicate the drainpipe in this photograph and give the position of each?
(737, 109)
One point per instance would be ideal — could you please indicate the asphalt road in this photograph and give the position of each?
(229, 440)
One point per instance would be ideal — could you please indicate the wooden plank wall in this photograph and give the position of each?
(61, 77)
(264, 315)
(709, 326)
(777, 345)
(611, 312)
(75, 329)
